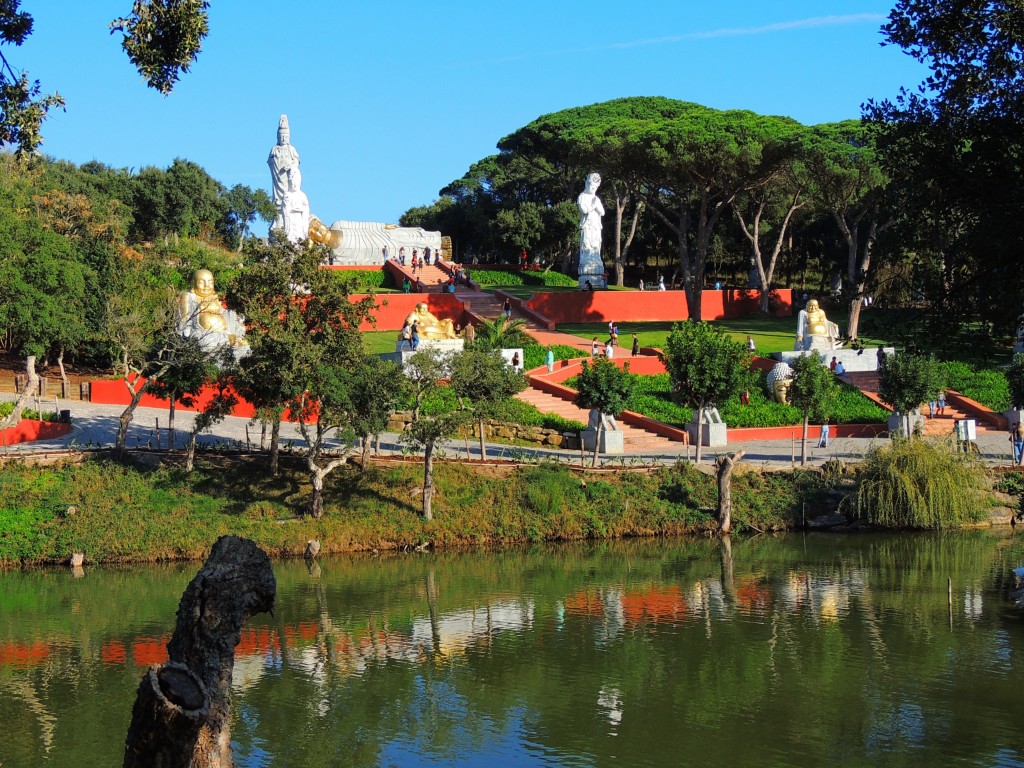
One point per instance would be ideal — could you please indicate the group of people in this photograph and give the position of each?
(417, 260)
(659, 285)
(608, 349)
(836, 366)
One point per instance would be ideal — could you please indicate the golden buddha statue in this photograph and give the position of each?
(202, 315)
(814, 329)
(319, 233)
(428, 326)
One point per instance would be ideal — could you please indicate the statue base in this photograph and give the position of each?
(596, 281)
(853, 360)
(611, 441)
(713, 435)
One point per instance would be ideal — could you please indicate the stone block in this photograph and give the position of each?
(612, 441)
(898, 424)
(712, 436)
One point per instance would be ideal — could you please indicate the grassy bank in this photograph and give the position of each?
(123, 514)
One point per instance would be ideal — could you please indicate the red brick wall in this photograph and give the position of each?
(27, 430)
(393, 308)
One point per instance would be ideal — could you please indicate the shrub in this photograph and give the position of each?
(922, 484)
(987, 386)
(365, 280)
(496, 277)
(535, 355)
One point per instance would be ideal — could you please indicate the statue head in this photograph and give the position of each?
(202, 283)
(422, 309)
(812, 306)
(283, 133)
(593, 182)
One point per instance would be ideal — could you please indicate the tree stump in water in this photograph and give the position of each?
(726, 464)
(182, 711)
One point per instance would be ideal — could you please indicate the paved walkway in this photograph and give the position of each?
(96, 426)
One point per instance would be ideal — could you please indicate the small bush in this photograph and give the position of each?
(496, 277)
(365, 280)
(922, 484)
(535, 355)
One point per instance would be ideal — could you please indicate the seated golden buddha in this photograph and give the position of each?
(202, 315)
(428, 326)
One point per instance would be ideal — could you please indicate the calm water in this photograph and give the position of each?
(794, 651)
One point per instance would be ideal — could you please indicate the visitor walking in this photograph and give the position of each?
(751, 346)
(1017, 440)
(636, 346)
(594, 348)
(931, 408)
(549, 360)
(406, 285)
(823, 440)
(880, 357)
(506, 309)
(661, 283)
(942, 404)
(470, 333)
(415, 335)
(401, 255)
(405, 337)
(609, 350)
(641, 285)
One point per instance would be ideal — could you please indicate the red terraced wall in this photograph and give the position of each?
(27, 430)
(393, 308)
(637, 306)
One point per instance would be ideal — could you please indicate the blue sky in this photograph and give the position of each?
(390, 101)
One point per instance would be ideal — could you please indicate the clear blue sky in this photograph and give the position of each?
(389, 101)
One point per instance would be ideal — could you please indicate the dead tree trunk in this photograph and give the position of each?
(726, 464)
(32, 385)
(428, 480)
(182, 711)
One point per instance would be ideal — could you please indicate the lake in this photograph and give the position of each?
(797, 650)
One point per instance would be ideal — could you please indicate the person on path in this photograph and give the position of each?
(823, 440)
(641, 285)
(615, 335)
(594, 348)
(516, 363)
(942, 404)
(609, 350)
(470, 333)
(880, 356)
(415, 335)
(661, 283)
(406, 285)
(506, 308)
(549, 360)
(1017, 440)
(636, 346)
(931, 408)
(405, 337)
(751, 346)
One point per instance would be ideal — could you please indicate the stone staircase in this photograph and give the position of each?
(634, 440)
(939, 426)
(432, 277)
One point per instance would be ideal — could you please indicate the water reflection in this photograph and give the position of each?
(789, 651)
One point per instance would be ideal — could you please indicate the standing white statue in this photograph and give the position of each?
(284, 163)
(295, 210)
(591, 268)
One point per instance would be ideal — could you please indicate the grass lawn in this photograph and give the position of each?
(771, 334)
(379, 342)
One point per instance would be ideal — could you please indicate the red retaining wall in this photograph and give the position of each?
(114, 392)
(27, 430)
(637, 306)
(976, 409)
(393, 308)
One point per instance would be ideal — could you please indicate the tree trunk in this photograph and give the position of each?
(726, 563)
(483, 449)
(170, 424)
(316, 507)
(364, 462)
(63, 373)
(853, 321)
(428, 480)
(125, 419)
(275, 445)
(182, 711)
(190, 453)
(597, 438)
(726, 464)
(803, 442)
(700, 435)
(30, 386)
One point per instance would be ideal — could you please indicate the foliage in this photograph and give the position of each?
(535, 355)
(813, 388)
(988, 386)
(1015, 380)
(365, 280)
(919, 484)
(163, 37)
(502, 333)
(604, 386)
(496, 278)
(705, 365)
(907, 379)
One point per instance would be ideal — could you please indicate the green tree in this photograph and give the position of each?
(215, 411)
(243, 206)
(906, 380)
(190, 369)
(812, 391)
(484, 382)
(161, 37)
(1015, 378)
(706, 367)
(848, 181)
(376, 389)
(606, 387)
(434, 417)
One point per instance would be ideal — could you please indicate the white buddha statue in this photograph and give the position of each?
(202, 316)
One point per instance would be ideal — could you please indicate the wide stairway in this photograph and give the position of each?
(432, 277)
(634, 440)
(939, 426)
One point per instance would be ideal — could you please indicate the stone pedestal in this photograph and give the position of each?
(853, 360)
(597, 281)
(611, 441)
(445, 346)
(898, 424)
(712, 435)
